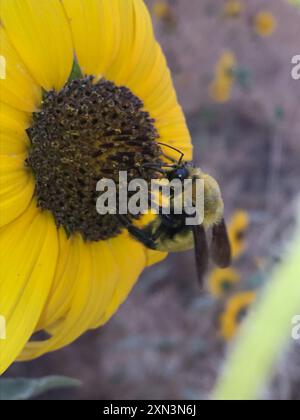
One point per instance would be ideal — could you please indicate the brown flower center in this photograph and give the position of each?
(88, 131)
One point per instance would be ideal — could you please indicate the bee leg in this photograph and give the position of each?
(176, 150)
(160, 168)
(137, 233)
(156, 168)
(173, 160)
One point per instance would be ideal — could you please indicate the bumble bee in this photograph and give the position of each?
(171, 233)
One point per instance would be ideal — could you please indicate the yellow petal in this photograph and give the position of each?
(174, 132)
(67, 326)
(120, 67)
(13, 122)
(141, 66)
(130, 258)
(40, 33)
(94, 284)
(139, 63)
(13, 138)
(135, 55)
(12, 145)
(129, 56)
(27, 262)
(154, 257)
(96, 32)
(18, 89)
(16, 188)
(63, 287)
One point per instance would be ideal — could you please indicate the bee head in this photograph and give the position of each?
(213, 202)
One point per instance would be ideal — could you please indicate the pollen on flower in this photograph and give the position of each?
(88, 131)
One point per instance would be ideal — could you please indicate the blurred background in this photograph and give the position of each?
(231, 65)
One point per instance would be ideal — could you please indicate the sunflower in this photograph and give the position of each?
(87, 93)
(235, 311)
(265, 24)
(221, 281)
(233, 8)
(220, 88)
(237, 229)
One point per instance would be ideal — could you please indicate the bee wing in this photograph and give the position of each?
(220, 245)
(201, 251)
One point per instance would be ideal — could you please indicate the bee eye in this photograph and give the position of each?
(181, 173)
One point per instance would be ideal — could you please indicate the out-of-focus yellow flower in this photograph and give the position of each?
(265, 24)
(221, 87)
(235, 310)
(237, 230)
(221, 281)
(233, 8)
(162, 10)
(220, 90)
(226, 64)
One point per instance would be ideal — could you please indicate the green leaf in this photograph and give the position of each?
(23, 389)
(76, 72)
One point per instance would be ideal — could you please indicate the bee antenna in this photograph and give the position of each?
(176, 150)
